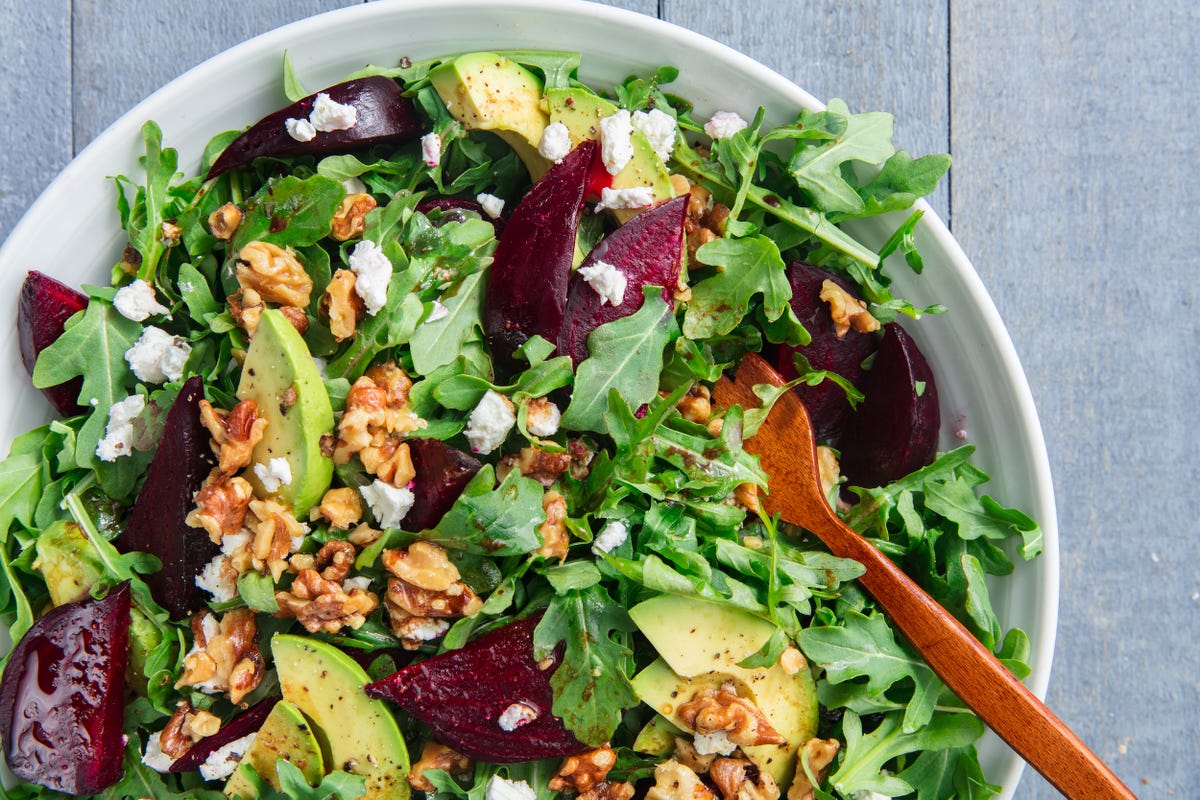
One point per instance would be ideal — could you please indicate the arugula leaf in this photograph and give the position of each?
(626, 356)
(257, 591)
(901, 182)
(292, 89)
(956, 501)
(438, 342)
(290, 212)
(745, 268)
(143, 218)
(498, 522)
(337, 785)
(392, 326)
(20, 490)
(142, 782)
(591, 685)
(818, 168)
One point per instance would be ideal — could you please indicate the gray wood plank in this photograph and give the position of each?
(35, 96)
(877, 56)
(125, 49)
(1075, 153)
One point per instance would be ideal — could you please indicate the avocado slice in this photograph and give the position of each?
(581, 111)
(280, 376)
(357, 734)
(284, 734)
(491, 92)
(68, 562)
(657, 737)
(700, 644)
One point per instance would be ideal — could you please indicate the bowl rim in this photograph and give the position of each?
(127, 128)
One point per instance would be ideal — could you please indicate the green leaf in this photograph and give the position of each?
(817, 167)
(956, 501)
(23, 619)
(193, 288)
(145, 218)
(626, 357)
(292, 89)
(745, 268)
(437, 343)
(591, 685)
(573, 575)
(257, 591)
(20, 490)
(901, 182)
(290, 212)
(140, 781)
(497, 522)
(392, 326)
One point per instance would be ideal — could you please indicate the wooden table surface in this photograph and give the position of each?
(1073, 127)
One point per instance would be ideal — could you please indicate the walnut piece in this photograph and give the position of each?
(201, 725)
(696, 405)
(847, 310)
(275, 273)
(225, 657)
(246, 307)
(335, 559)
(828, 469)
(173, 740)
(738, 779)
(235, 433)
(276, 534)
(818, 755)
(674, 781)
(297, 317)
(376, 408)
(746, 496)
(342, 305)
(712, 710)
(221, 505)
(350, 219)
(792, 660)
(436, 755)
(390, 461)
(581, 772)
(555, 539)
(687, 754)
(542, 466)
(342, 507)
(225, 221)
(322, 605)
(425, 592)
(423, 564)
(609, 790)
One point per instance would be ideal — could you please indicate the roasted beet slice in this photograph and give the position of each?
(383, 114)
(156, 524)
(44, 306)
(461, 695)
(895, 430)
(460, 203)
(62, 697)
(647, 250)
(243, 724)
(826, 402)
(442, 473)
(527, 283)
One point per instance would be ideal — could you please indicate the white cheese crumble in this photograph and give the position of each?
(438, 311)
(154, 757)
(503, 789)
(300, 129)
(724, 124)
(515, 716)
(389, 503)
(372, 273)
(607, 281)
(354, 186)
(616, 141)
(492, 206)
(329, 115)
(427, 629)
(361, 582)
(490, 422)
(157, 356)
(118, 436)
(633, 197)
(275, 473)
(658, 128)
(224, 760)
(867, 794)
(218, 578)
(555, 143)
(611, 536)
(137, 301)
(542, 418)
(431, 149)
(715, 743)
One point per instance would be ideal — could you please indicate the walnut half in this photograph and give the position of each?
(712, 710)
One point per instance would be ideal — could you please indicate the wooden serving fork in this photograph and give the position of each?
(787, 451)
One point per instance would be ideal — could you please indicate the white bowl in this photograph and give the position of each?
(72, 231)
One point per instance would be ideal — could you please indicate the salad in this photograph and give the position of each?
(389, 462)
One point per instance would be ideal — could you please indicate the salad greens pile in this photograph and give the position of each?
(670, 483)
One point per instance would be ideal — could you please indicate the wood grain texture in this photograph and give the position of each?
(1075, 193)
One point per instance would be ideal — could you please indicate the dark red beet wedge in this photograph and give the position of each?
(383, 114)
(647, 250)
(62, 697)
(826, 402)
(243, 724)
(461, 695)
(156, 524)
(442, 474)
(527, 284)
(895, 430)
(44, 306)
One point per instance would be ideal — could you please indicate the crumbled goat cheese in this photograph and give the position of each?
(503, 789)
(300, 129)
(389, 503)
(438, 311)
(360, 582)
(329, 115)
(492, 206)
(724, 124)
(606, 280)
(611, 536)
(217, 578)
(158, 357)
(555, 143)
(427, 629)
(137, 301)
(658, 128)
(633, 197)
(372, 272)
(354, 186)
(515, 716)
(154, 757)
(715, 743)
(224, 760)
(616, 141)
(232, 542)
(431, 149)
(867, 794)
(542, 419)
(490, 422)
(118, 436)
(275, 473)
